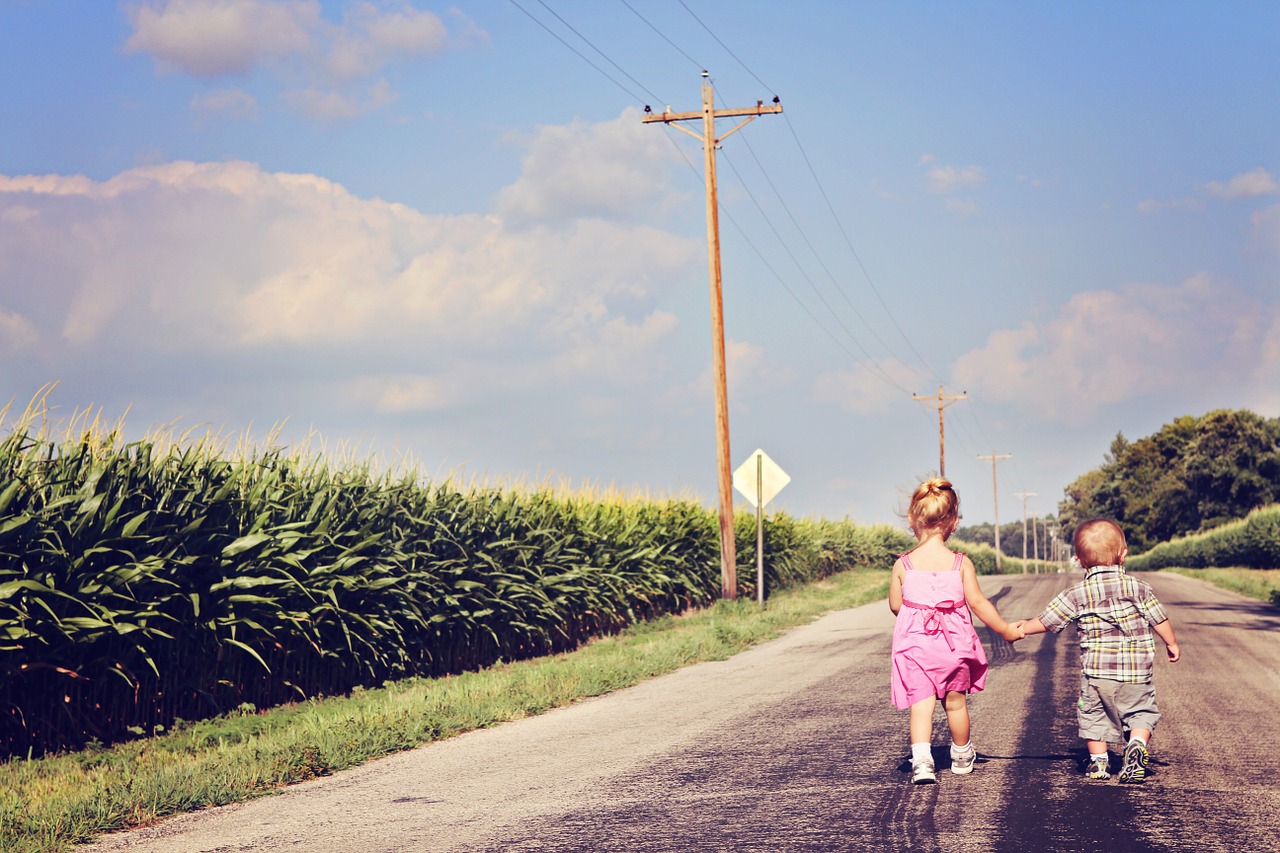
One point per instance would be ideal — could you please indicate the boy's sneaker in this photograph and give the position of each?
(1134, 769)
(922, 772)
(962, 759)
(1098, 769)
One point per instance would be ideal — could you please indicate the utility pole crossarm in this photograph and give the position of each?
(758, 110)
(941, 401)
(995, 497)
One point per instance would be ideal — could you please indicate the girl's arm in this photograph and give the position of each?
(985, 610)
(895, 587)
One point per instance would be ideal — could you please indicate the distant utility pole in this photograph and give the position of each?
(941, 402)
(709, 140)
(1035, 543)
(1024, 496)
(995, 499)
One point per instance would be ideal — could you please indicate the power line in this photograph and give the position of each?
(663, 35)
(767, 87)
(596, 49)
(848, 242)
(558, 38)
(806, 277)
(817, 257)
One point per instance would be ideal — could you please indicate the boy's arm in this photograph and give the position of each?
(1031, 626)
(1164, 630)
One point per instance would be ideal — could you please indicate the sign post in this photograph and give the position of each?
(759, 480)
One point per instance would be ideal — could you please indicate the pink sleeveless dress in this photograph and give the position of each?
(935, 648)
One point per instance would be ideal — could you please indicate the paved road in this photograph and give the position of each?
(793, 746)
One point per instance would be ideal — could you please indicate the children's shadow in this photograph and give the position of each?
(1079, 757)
(942, 759)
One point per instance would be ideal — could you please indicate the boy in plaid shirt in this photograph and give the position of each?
(1115, 615)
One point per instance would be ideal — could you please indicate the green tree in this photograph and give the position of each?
(1194, 473)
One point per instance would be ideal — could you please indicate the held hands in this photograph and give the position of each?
(1013, 631)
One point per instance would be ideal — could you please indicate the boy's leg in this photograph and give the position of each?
(1137, 704)
(1099, 724)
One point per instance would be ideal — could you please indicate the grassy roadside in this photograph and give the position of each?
(50, 804)
(1262, 584)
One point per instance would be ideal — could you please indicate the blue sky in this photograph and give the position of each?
(442, 233)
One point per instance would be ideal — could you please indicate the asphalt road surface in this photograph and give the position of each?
(794, 746)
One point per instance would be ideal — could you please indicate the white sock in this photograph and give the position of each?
(921, 751)
(1100, 757)
(1138, 738)
(958, 748)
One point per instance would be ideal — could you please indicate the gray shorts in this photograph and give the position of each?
(1108, 710)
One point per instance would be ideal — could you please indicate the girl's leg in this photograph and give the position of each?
(922, 720)
(957, 708)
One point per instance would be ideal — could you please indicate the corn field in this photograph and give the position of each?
(146, 583)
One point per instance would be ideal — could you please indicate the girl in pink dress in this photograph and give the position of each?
(936, 651)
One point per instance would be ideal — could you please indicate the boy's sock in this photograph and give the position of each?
(1101, 757)
(1139, 738)
(921, 751)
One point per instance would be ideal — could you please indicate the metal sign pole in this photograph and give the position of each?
(760, 528)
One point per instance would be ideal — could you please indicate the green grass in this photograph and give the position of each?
(1262, 584)
(51, 803)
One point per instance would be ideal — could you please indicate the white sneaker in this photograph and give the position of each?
(962, 759)
(922, 772)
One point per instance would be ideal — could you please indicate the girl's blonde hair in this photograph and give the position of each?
(934, 505)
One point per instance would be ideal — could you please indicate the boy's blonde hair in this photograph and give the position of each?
(1099, 542)
(934, 505)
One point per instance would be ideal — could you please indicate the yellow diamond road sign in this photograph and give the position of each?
(760, 478)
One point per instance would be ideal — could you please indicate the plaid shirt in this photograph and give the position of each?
(1113, 613)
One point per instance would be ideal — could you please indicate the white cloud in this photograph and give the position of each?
(222, 263)
(334, 105)
(1151, 206)
(1109, 348)
(16, 333)
(865, 388)
(749, 373)
(324, 64)
(948, 179)
(216, 38)
(615, 170)
(225, 103)
(1266, 229)
(1259, 182)
(961, 206)
(370, 38)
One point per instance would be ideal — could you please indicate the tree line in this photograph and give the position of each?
(1194, 474)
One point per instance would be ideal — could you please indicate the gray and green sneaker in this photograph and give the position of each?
(1134, 769)
(1098, 769)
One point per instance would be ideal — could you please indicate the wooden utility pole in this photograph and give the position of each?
(1024, 496)
(941, 402)
(995, 498)
(1035, 543)
(709, 140)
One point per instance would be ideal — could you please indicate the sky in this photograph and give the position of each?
(440, 235)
